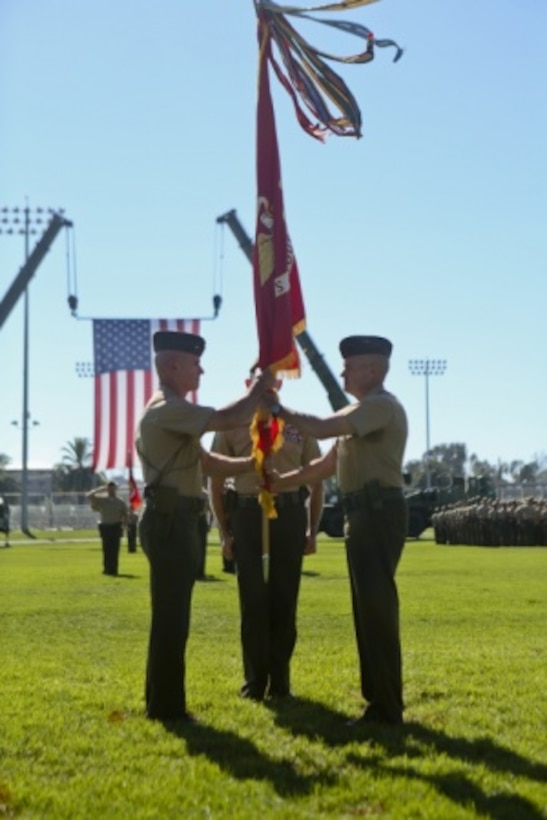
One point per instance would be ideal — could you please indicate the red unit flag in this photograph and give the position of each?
(278, 297)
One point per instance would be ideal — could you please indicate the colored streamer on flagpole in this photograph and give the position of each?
(304, 73)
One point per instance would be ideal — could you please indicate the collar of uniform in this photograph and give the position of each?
(376, 391)
(168, 392)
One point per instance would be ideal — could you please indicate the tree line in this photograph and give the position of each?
(447, 462)
(72, 473)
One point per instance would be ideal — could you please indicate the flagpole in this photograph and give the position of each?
(265, 546)
(312, 86)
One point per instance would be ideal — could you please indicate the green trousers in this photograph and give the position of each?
(374, 543)
(172, 546)
(268, 609)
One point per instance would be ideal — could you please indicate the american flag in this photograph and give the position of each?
(125, 379)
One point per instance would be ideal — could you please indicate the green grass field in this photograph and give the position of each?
(74, 742)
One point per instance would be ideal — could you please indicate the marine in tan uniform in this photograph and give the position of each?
(268, 608)
(173, 463)
(113, 512)
(367, 459)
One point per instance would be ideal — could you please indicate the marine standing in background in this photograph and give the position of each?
(268, 608)
(173, 463)
(113, 512)
(368, 459)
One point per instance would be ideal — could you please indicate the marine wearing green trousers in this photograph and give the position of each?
(268, 609)
(374, 545)
(172, 545)
(173, 464)
(367, 460)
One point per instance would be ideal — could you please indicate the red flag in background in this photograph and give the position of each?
(278, 298)
(135, 499)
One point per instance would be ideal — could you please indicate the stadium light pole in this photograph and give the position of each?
(25, 221)
(427, 368)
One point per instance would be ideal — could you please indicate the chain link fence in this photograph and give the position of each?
(56, 511)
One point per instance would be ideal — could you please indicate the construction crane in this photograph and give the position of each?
(19, 284)
(421, 504)
(336, 395)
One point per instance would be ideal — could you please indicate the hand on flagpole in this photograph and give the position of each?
(270, 476)
(262, 383)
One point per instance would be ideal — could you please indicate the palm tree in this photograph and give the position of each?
(77, 453)
(74, 472)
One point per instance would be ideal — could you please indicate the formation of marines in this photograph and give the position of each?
(492, 523)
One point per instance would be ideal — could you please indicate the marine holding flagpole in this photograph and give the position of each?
(173, 464)
(268, 605)
(368, 455)
(368, 461)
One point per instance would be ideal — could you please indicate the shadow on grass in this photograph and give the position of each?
(482, 750)
(241, 759)
(413, 741)
(210, 579)
(312, 719)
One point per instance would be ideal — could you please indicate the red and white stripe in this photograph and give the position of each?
(120, 398)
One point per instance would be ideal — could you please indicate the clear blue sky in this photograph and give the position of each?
(138, 118)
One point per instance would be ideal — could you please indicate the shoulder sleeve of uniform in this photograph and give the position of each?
(311, 450)
(220, 444)
(371, 414)
(181, 416)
